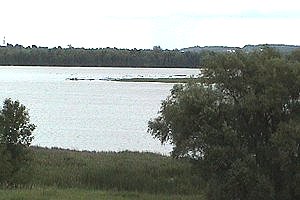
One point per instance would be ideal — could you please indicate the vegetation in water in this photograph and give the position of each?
(160, 80)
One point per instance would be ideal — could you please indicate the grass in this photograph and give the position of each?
(50, 193)
(118, 171)
(67, 174)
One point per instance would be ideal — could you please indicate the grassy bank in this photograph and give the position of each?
(80, 194)
(123, 171)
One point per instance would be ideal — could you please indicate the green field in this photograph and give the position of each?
(122, 171)
(51, 193)
(67, 174)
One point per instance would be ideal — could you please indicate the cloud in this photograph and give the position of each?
(143, 24)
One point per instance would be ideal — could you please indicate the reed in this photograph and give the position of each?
(117, 171)
(83, 194)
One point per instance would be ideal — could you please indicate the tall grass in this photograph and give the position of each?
(122, 171)
(83, 194)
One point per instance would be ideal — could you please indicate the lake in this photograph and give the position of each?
(90, 115)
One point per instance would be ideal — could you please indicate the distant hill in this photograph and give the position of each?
(282, 48)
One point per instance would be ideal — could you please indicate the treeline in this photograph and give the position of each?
(281, 48)
(43, 56)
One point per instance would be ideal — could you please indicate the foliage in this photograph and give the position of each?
(121, 171)
(112, 57)
(83, 194)
(5, 164)
(15, 137)
(240, 125)
(295, 55)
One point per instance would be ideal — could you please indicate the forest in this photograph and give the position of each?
(191, 57)
(100, 57)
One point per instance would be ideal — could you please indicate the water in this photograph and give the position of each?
(90, 115)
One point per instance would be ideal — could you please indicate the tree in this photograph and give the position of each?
(240, 125)
(15, 138)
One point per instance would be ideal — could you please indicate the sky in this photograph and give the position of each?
(142, 24)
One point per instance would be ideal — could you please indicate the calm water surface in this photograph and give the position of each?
(90, 115)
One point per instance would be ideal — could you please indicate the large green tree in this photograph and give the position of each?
(15, 137)
(240, 124)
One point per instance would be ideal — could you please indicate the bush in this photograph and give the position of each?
(15, 138)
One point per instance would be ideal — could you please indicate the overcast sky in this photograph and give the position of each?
(143, 24)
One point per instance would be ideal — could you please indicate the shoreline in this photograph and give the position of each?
(103, 66)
